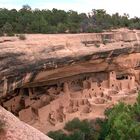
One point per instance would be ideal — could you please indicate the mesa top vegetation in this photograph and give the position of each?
(27, 20)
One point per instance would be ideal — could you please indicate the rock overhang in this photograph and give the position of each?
(23, 62)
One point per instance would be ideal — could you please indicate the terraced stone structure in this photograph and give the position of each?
(48, 80)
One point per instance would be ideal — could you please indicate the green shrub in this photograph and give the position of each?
(7, 28)
(138, 99)
(57, 135)
(22, 37)
(61, 28)
(1, 33)
(79, 130)
(77, 135)
(72, 125)
(10, 34)
(94, 30)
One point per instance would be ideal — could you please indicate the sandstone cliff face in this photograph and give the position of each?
(48, 80)
(14, 129)
(22, 62)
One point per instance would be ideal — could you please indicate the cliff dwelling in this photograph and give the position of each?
(64, 82)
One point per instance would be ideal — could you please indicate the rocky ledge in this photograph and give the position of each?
(58, 56)
(14, 129)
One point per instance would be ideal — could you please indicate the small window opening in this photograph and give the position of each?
(122, 77)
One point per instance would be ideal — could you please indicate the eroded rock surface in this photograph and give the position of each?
(14, 129)
(48, 80)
